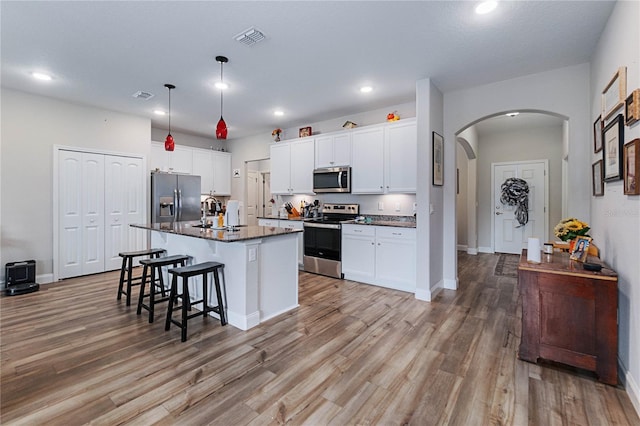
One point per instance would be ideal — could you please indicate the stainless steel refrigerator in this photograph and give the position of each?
(174, 197)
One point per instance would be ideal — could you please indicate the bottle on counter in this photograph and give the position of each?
(220, 220)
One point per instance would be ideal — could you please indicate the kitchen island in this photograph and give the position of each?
(261, 265)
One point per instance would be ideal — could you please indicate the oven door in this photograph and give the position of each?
(322, 240)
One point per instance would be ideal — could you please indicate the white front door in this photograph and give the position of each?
(509, 235)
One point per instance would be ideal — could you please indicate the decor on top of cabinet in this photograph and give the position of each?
(393, 116)
(349, 125)
(276, 134)
(632, 107)
(571, 228)
(631, 166)
(304, 132)
(169, 144)
(221, 127)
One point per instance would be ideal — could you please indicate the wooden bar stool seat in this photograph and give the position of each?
(187, 272)
(127, 267)
(156, 281)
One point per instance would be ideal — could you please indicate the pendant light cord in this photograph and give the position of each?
(169, 110)
(221, 90)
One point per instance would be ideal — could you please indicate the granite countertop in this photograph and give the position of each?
(240, 234)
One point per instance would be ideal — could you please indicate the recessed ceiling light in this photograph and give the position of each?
(41, 76)
(366, 89)
(486, 7)
(159, 112)
(221, 85)
(512, 114)
(278, 113)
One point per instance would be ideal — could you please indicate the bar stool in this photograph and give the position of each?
(156, 280)
(127, 266)
(186, 272)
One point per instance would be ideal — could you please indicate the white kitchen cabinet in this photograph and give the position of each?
(333, 150)
(292, 166)
(380, 255)
(396, 257)
(358, 253)
(180, 160)
(367, 160)
(214, 169)
(384, 158)
(401, 148)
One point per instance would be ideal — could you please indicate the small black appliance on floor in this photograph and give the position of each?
(20, 278)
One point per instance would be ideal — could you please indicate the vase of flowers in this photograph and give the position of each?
(571, 228)
(276, 134)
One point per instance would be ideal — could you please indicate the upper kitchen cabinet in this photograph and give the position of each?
(292, 165)
(384, 158)
(367, 164)
(333, 150)
(401, 148)
(178, 161)
(214, 168)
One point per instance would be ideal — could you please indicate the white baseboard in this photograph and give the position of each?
(424, 295)
(632, 388)
(450, 284)
(473, 251)
(275, 314)
(485, 250)
(462, 247)
(243, 322)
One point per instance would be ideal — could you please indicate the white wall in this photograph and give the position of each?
(31, 125)
(562, 91)
(527, 143)
(615, 217)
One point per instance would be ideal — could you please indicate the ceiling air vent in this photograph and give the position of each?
(145, 96)
(250, 36)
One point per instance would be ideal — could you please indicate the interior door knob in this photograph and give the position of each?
(498, 213)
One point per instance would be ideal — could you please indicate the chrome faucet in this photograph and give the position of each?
(203, 219)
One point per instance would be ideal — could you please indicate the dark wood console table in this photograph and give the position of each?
(569, 314)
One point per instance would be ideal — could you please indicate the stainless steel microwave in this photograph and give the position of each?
(332, 179)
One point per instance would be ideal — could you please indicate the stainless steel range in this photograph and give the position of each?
(323, 239)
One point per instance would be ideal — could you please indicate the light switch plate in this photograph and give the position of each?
(397, 207)
(380, 205)
(253, 254)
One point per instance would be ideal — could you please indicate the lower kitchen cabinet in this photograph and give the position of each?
(292, 224)
(380, 255)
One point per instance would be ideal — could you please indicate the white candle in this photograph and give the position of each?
(533, 250)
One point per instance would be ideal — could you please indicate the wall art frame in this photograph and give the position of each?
(614, 93)
(632, 107)
(612, 139)
(632, 167)
(597, 169)
(303, 132)
(597, 135)
(437, 159)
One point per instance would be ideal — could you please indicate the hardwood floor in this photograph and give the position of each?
(350, 354)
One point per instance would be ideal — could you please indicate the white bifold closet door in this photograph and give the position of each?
(99, 196)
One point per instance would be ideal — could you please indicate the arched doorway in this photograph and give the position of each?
(497, 138)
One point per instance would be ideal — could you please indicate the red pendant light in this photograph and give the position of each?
(221, 128)
(169, 144)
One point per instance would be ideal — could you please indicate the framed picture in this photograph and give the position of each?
(597, 134)
(596, 175)
(304, 132)
(612, 137)
(580, 249)
(631, 166)
(438, 160)
(632, 107)
(614, 94)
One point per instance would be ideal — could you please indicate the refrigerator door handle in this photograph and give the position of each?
(176, 203)
(180, 205)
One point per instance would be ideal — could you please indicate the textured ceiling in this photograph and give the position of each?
(315, 56)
